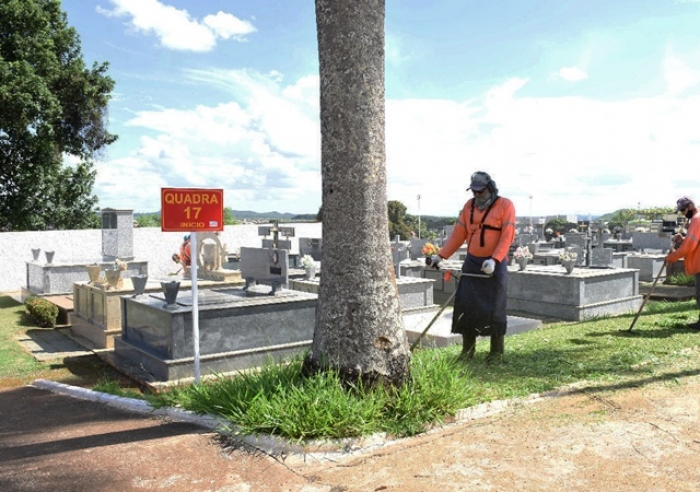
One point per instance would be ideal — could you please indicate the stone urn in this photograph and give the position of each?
(35, 253)
(310, 272)
(170, 289)
(569, 265)
(94, 272)
(522, 262)
(49, 256)
(114, 278)
(139, 282)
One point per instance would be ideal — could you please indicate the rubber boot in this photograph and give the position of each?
(497, 346)
(468, 347)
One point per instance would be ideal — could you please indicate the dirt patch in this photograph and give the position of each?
(634, 439)
(621, 439)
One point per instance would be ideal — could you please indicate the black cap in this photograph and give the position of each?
(479, 182)
(683, 202)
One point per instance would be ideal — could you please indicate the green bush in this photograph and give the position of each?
(44, 313)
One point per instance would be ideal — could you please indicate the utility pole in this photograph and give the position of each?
(418, 216)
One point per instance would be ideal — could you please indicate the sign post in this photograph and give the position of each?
(191, 210)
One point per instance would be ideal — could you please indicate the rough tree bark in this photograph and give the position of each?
(359, 329)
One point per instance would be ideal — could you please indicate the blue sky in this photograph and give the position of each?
(573, 107)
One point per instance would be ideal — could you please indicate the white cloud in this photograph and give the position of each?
(265, 148)
(175, 28)
(572, 74)
(678, 75)
(228, 26)
(571, 154)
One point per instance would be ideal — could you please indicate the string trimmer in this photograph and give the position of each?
(448, 276)
(646, 297)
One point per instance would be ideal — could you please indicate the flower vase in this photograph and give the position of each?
(170, 289)
(569, 265)
(114, 278)
(310, 272)
(49, 257)
(522, 263)
(94, 273)
(139, 283)
(35, 253)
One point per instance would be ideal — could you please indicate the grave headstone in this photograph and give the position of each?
(281, 244)
(602, 258)
(311, 246)
(266, 266)
(415, 247)
(117, 234)
(399, 252)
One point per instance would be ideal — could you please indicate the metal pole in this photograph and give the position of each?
(195, 305)
(418, 216)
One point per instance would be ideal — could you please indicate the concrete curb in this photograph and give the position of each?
(266, 443)
(129, 404)
(305, 452)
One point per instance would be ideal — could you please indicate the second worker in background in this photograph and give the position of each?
(487, 225)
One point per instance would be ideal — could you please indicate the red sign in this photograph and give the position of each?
(191, 209)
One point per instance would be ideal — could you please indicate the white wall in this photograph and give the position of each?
(150, 244)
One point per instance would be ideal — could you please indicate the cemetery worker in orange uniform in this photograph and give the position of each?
(487, 225)
(689, 249)
(186, 252)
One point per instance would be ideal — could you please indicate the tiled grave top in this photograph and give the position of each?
(220, 298)
(548, 270)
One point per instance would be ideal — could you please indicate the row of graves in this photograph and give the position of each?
(251, 308)
(260, 305)
(603, 279)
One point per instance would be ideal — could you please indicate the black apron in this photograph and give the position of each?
(480, 303)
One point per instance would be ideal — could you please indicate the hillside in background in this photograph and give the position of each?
(257, 216)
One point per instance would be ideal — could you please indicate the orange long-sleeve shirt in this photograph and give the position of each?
(690, 248)
(497, 230)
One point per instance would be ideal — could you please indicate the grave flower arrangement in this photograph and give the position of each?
(568, 254)
(307, 261)
(522, 252)
(429, 249)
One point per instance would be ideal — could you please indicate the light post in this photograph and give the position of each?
(531, 228)
(418, 216)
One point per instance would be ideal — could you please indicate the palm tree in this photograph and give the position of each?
(359, 329)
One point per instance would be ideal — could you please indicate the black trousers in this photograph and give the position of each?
(480, 303)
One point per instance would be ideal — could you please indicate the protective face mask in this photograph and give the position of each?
(484, 200)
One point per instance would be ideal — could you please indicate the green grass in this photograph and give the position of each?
(681, 279)
(17, 367)
(598, 353)
(15, 363)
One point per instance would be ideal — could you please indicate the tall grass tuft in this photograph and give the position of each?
(598, 352)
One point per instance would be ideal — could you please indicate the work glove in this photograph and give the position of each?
(433, 261)
(488, 266)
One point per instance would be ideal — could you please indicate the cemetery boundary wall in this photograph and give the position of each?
(150, 244)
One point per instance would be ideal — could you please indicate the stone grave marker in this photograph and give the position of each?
(311, 246)
(415, 247)
(399, 252)
(266, 266)
(602, 258)
(117, 234)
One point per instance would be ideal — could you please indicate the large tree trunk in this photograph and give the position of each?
(359, 329)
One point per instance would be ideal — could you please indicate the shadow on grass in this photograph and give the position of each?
(624, 332)
(584, 358)
(8, 302)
